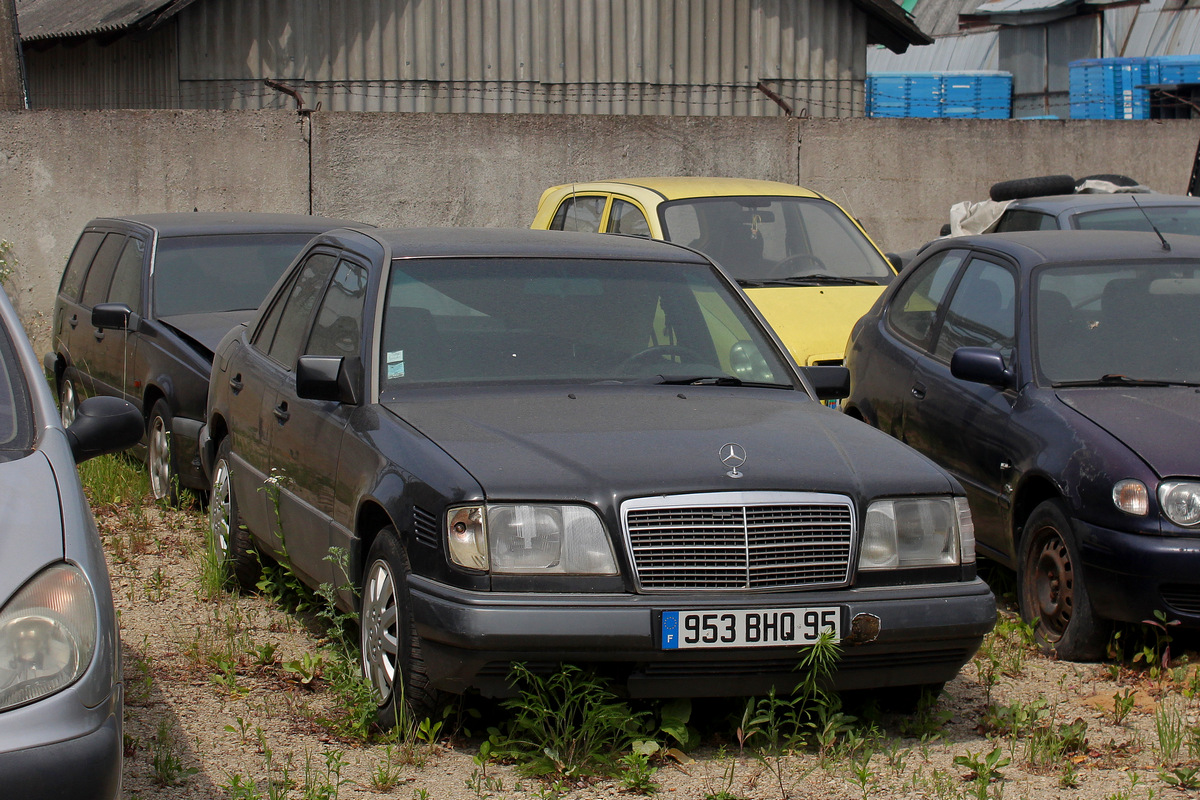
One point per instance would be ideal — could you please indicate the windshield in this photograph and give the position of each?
(228, 272)
(774, 238)
(487, 320)
(1168, 219)
(1118, 323)
(16, 416)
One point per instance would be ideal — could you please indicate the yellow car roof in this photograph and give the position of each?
(679, 188)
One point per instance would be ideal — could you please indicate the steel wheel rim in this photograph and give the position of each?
(66, 404)
(159, 459)
(380, 627)
(219, 509)
(1053, 584)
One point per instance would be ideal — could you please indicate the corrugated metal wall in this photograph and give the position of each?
(696, 57)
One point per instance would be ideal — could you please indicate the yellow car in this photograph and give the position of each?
(805, 263)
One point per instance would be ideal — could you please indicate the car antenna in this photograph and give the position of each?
(1166, 245)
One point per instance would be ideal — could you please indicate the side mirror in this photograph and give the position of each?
(115, 316)
(830, 383)
(102, 425)
(896, 260)
(329, 378)
(980, 365)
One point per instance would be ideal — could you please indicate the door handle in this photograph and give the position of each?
(281, 412)
(73, 321)
(99, 333)
(918, 391)
(235, 383)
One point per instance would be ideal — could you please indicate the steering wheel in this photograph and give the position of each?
(659, 352)
(799, 264)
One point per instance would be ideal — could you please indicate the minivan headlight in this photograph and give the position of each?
(1180, 502)
(47, 635)
(917, 532)
(520, 539)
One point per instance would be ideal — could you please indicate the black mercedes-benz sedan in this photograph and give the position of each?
(549, 447)
(1056, 375)
(142, 303)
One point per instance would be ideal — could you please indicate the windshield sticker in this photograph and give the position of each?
(395, 364)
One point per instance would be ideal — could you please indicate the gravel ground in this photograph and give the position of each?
(204, 717)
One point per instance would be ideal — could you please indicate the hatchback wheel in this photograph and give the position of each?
(1052, 588)
(391, 650)
(231, 542)
(67, 402)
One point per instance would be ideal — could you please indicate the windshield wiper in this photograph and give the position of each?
(691, 380)
(1113, 379)
(805, 280)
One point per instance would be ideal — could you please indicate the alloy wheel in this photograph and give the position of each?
(380, 629)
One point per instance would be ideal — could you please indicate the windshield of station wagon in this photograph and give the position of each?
(230, 272)
(774, 238)
(488, 320)
(1117, 324)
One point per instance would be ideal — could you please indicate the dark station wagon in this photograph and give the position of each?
(562, 447)
(142, 303)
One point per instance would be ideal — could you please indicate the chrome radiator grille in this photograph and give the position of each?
(706, 542)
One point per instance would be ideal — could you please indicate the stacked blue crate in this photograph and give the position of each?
(977, 95)
(1110, 88)
(1175, 69)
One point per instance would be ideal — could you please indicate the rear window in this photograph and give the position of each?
(1168, 219)
(231, 272)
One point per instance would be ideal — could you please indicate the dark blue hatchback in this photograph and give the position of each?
(1057, 376)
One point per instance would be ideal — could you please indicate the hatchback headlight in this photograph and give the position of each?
(1180, 502)
(917, 532)
(47, 635)
(539, 539)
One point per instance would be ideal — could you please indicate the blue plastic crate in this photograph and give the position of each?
(979, 95)
(1110, 88)
(1175, 69)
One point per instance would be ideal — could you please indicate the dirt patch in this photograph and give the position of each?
(211, 710)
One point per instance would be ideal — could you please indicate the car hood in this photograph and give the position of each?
(31, 529)
(813, 322)
(208, 329)
(1160, 424)
(610, 442)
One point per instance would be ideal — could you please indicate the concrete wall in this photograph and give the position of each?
(899, 177)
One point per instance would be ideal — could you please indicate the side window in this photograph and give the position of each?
(981, 313)
(77, 266)
(579, 213)
(915, 307)
(625, 217)
(99, 277)
(338, 327)
(127, 279)
(1019, 220)
(297, 310)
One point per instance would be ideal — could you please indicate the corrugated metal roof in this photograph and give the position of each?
(955, 53)
(58, 19)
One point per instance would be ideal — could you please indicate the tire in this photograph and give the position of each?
(160, 456)
(233, 543)
(1052, 588)
(1115, 180)
(388, 639)
(68, 402)
(1032, 187)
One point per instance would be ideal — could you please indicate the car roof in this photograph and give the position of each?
(1030, 248)
(521, 242)
(668, 188)
(1057, 204)
(214, 222)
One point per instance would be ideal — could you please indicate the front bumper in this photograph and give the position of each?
(469, 639)
(1130, 576)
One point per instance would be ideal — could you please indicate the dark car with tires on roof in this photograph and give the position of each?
(1056, 375)
(562, 447)
(142, 302)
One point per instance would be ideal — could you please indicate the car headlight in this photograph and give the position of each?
(47, 635)
(917, 532)
(1180, 502)
(530, 539)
